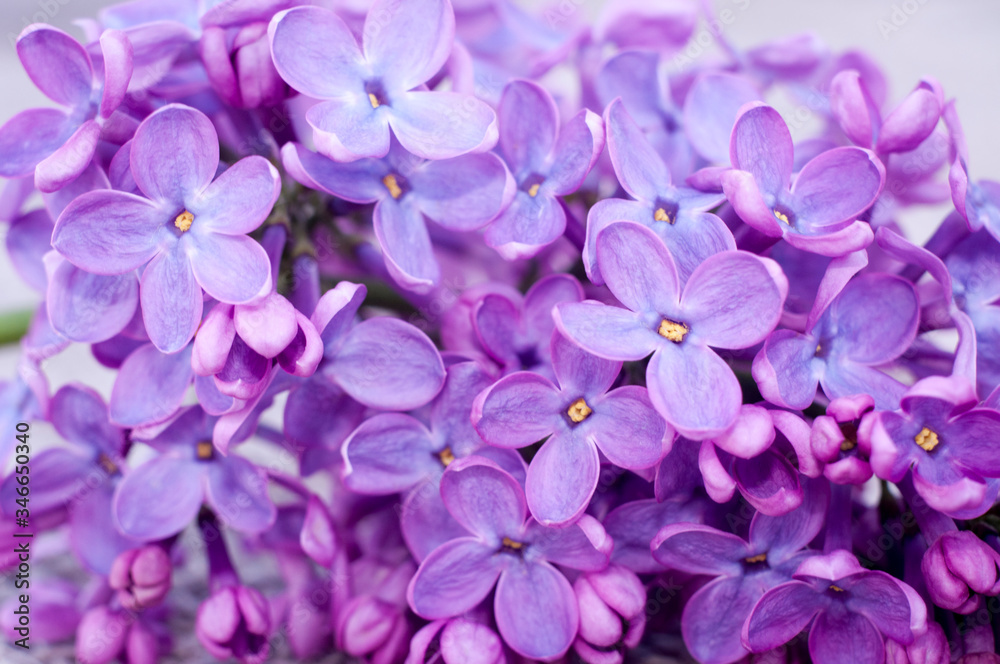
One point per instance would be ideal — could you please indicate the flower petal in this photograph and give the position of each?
(580, 143)
(845, 636)
(159, 498)
(231, 268)
(714, 616)
(835, 187)
(583, 546)
(316, 53)
(389, 364)
(356, 181)
(780, 614)
(734, 299)
(699, 549)
(453, 579)
(57, 64)
(518, 410)
(526, 226)
(627, 429)
(407, 43)
(237, 491)
(529, 125)
(441, 125)
(536, 610)
(388, 453)
(693, 389)
(769, 482)
(463, 193)
(581, 372)
(710, 111)
(609, 332)
(109, 232)
(68, 162)
(88, 307)
(762, 145)
(484, 499)
(239, 200)
(639, 169)
(171, 300)
(175, 154)
(786, 370)
(406, 245)
(348, 128)
(638, 268)
(167, 378)
(117, 51)
(31, 136)
(561, 478)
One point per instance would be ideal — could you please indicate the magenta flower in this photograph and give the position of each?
(731, 301)
(534, 605)
(819, 212)
(851, 610)
(547, 160)
(58, 144)
(377, 87)
(577, 416)
(187, 227)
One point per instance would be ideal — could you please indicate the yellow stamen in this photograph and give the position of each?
(533, 190)
(673, 331)
(926, 440)
(781, 216)
(392, 185)
(373, 99)
(184, 221)
(446, 456)
(836, 589)
(205, 450)
(508, 543)
(759, 558)
(579, 410)
(661, 215)
(109, 466)
(847, 445)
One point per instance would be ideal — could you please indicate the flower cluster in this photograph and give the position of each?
(446, 331)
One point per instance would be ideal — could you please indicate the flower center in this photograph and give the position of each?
(759, 558)
(850, 433)
(183, 221)
(446, 456)
(836, 589)
(373, 100)
(662, 215)
(205, 450)
(673, 331)
(579, 411)
(105, 462)
(533, 190)
(510, 546)
(926, 440)
(781, 216)
(392, 184)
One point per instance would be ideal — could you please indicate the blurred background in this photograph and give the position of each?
(954, 41)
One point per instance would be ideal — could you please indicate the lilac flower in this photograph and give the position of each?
(958, 569)
(234, 622)
(516, 332)
(612, 614)
(162, 496)
(902, 130)
(460, 194)
(534, 605)
(940, 435)
(181, 226)
(854, 327)
(732, 300)
(742, 571)
(677, 214)
(840, 439)
(547, 160)
(238, 344)
(577, 416)
(710, 111)
(368, 90)
(58, 144)
(141, 577)
(851, 611)
(107, 635)
(819, 212)
(165, 379)
(459, 640)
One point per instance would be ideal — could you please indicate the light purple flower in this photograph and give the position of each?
(947, 442)
(235, 622)
(731, 301)
(678, 215)
(462, 640)
(187, 227)
(851, 611)
(819, 211)
(368, 90)
(162, 496)
(535, 608)
(577, 416)
(958, 569)
(840, 439)
(612, 614)
(460, 194)
(58, 144)
(742, 571)
(547, 160)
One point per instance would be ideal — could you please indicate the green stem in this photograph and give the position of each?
(14, 325)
